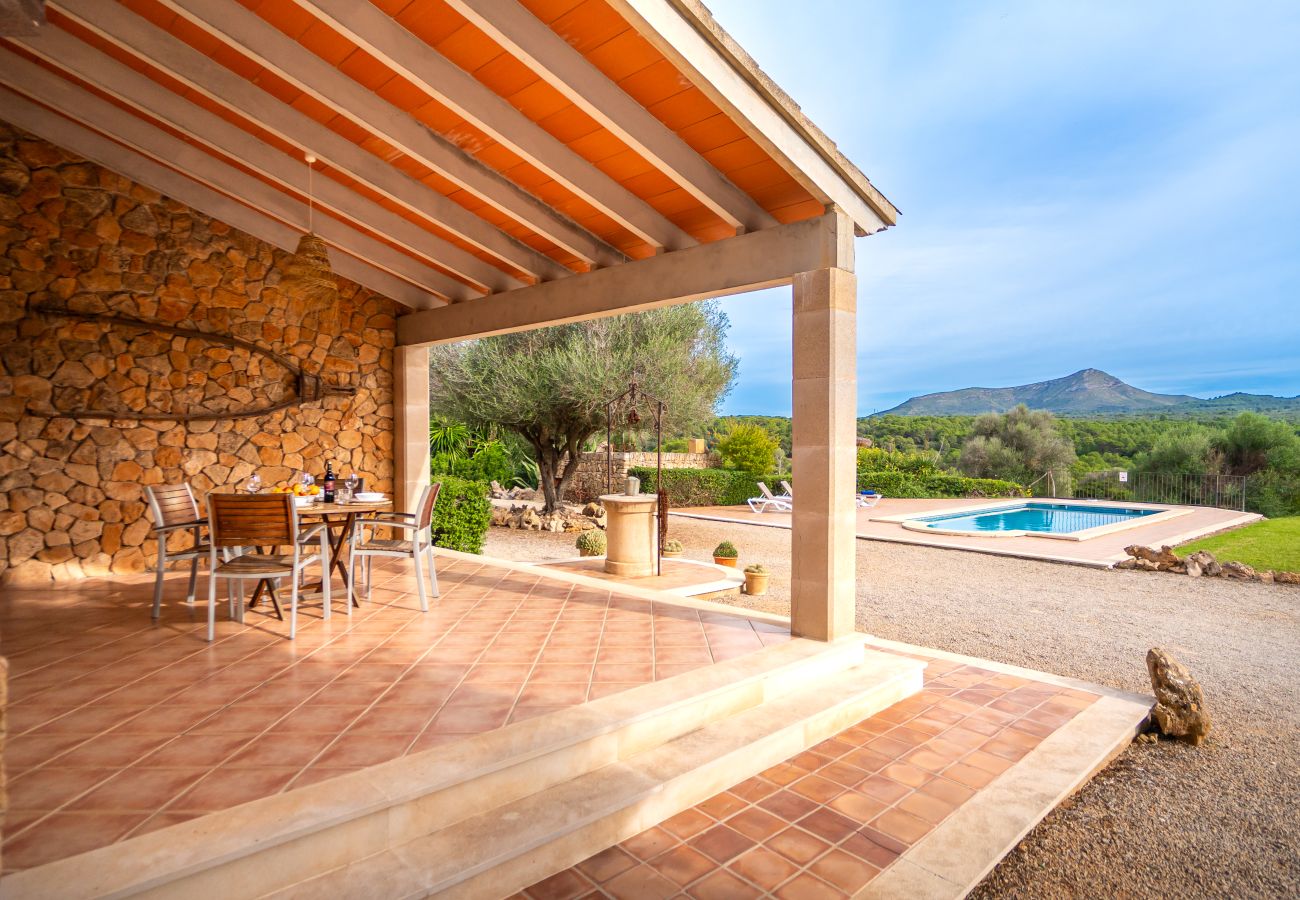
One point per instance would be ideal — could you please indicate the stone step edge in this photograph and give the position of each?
(565, 744)
(549, 831)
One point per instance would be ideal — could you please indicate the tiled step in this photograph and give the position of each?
(287, 838)
(514, 845)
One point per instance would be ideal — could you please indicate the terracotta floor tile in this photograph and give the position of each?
(723, 885)
(649, 843)
(640, 883)
(901, 825)
(138, 789)
(224, 789)
(905, 774)
(797, 845)
(50, 787)
(844, 774)
(394, 719)
(988, 762)
(788, 805)
(926, 806)
(682, 864)
(720, 806)
(359, 748)
(864, 848)
(557, 694)
(843, 871)
(687, 823)
(817, 789)
(512, 673)
(858, 807)
(280, 749)
(318, 719)
(607, 864)
(112, 750)
(241, 719)
(25, 751)
(828, 825)
(756, 823)
(197, 750)
(755, 789)
(721, 843)
(969, 776)
(763, 867)
(563, 885)
(167, 719)
(65, 834)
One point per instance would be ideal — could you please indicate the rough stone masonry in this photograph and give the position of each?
(77, 237)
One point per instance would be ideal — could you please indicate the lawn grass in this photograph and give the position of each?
(1273, 544)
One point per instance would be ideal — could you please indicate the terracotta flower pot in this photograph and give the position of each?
(672, 554)
(728, 561)
(755, 583)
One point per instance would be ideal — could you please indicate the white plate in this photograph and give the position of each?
(304, 501)
(370, 497)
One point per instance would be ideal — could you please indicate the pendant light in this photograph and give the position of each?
(308, 274)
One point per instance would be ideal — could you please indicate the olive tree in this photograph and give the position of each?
(1019, 445)
(550, 385)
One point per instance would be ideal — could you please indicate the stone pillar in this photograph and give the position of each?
(411, 425)
(824, 434)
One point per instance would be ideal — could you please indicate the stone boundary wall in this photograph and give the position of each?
(590, 482)
(77, 237)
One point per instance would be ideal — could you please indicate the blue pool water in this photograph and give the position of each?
(1051, 518)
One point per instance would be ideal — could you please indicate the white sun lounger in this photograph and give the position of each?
(769, 501)
(866, 501)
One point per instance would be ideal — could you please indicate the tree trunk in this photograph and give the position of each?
(556, 467)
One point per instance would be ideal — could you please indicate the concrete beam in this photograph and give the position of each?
(530, 40)
(386, 40)
(251, 104)
(81, 140)
(745, 263)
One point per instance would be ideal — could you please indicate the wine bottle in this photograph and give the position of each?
(328, 489)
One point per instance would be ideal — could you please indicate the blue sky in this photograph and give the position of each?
(1104, 184)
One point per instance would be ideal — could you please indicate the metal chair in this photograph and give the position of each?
(419, 528)
(240, 521)
(175, 509)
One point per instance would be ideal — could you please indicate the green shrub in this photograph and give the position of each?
(900, 484)
(700, 487)
(592, 543)
(491, 463)
(726, 550)
(462, 514)
(749, 448)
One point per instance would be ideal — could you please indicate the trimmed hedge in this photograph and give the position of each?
(893, 483)
(700, 487)
(462, 514)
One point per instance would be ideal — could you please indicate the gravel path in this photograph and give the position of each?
(1162, 820)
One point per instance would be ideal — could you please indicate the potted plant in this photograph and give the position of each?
(591, 543)
(672, 548)
(756, 577)
(725, 554)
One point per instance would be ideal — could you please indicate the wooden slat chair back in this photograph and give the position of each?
(416, 545)
(240, 522)
(174, 509)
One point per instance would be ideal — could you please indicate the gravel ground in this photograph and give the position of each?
(1162, 820)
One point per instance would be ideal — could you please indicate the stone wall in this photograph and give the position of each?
(77, 238)
(591, 481)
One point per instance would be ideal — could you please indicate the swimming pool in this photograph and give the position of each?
(1033, 517)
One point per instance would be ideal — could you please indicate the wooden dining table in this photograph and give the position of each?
(339, 520)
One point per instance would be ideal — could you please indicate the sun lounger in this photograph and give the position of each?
(868, 499)
(768, 501)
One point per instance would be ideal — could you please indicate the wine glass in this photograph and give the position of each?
(351, 482)
(254, 484)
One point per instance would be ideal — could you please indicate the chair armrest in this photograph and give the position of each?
(161, 529)
(311, 533)
(389, 523)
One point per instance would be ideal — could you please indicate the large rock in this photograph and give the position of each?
(1286, 577)
(1202, 562)
(1180, 704)
(1239, 571)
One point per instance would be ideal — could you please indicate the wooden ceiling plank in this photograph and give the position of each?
(149, 97)
(147, 140)
(55, 128)
(286, 58)
(568, 71)
(461, 92)
(182, 62)
(670, 26)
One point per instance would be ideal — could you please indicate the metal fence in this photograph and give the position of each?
(1222, 491)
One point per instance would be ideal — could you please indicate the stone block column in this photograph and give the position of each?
(824, 433)
(411, 440)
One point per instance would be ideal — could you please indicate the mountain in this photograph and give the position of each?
(1085, 393)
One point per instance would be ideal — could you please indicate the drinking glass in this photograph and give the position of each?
(351, 482)
(254, 484)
